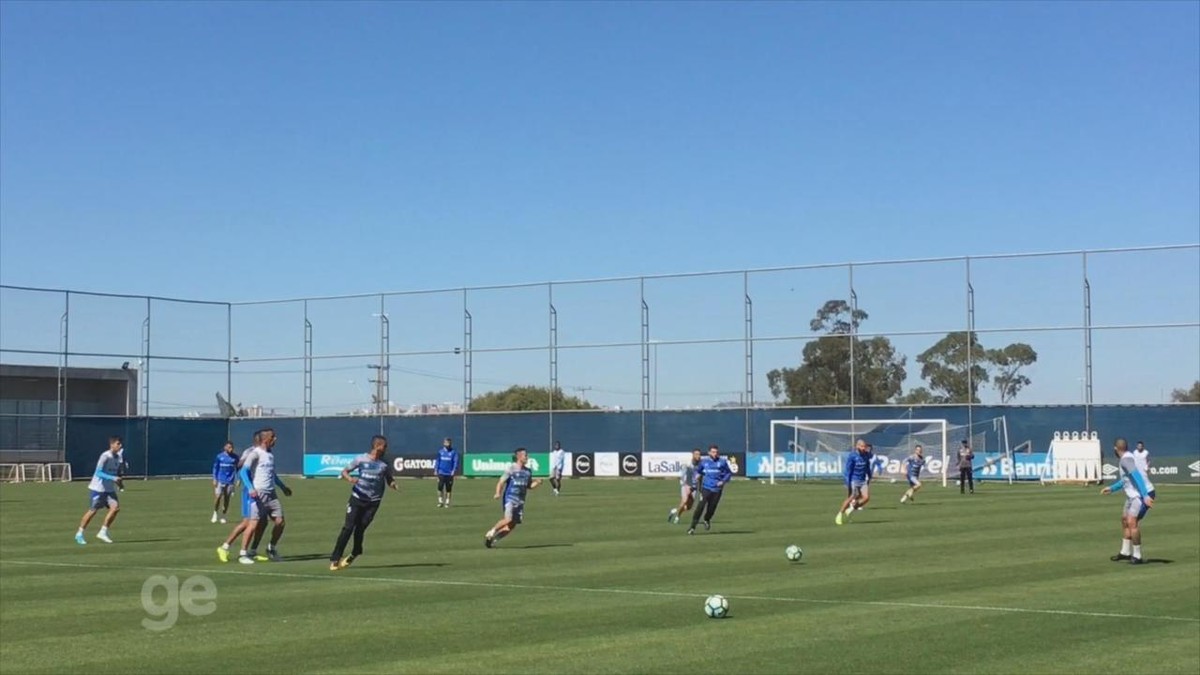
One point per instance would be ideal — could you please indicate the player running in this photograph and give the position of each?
(1139, 498)
(224, 474)
(912, 472)
(687, 487)
(374, 474)
(558, 459)
(445, 467)
(258, 475)
(712, 473)
(857, 475)
(516, 481)
(103, 492)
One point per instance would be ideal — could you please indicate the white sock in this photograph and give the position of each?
(103, 530)
(1137, 551)
(243, 553)
(1126, 546)
(225, 546)
(491, 533)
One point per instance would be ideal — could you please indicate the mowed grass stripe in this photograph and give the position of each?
(1023, 547)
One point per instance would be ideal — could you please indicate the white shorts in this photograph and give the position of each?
(685, 491)
(266, 506)
(223, 489)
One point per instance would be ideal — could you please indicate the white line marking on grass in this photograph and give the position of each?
(612, 591)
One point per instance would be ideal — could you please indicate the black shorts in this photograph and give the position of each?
(445, 483)
(360, 513)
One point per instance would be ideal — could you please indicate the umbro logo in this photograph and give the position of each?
(1110, 470)
(1195, 467)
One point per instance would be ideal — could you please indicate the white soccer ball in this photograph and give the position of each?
(793, 553)
(716, 607)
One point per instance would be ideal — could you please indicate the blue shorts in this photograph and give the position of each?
(514, 511)
(102, 500)
(913, 481)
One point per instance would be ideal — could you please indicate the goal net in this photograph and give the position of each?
(10, 473)
(58, 471)
(803, 449)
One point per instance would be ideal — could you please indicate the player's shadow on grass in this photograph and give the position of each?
(729, 532)
(145, 541)
(868, 522)
(399, 565)
(305, 556)
(541, 546)
(1157, 561)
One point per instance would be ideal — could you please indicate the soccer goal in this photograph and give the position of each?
(10, 473)
(31, 473)
(58, 471)
(802, 449)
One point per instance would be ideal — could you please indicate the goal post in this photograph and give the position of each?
(803, 448)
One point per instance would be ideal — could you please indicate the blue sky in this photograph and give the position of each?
(240, 151)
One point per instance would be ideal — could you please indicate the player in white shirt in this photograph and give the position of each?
(103, 491)
(259, 477)
(1139, 498)
(1142, 456)
(687, 487)
(558, 459)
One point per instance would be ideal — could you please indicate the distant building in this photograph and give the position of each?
(32, 398)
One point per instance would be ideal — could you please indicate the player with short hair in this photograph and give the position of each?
(223, 549)
(1142, 456)
(258, 474)
(103, 492)
(558, 460)
(966, 470)
(687, 487)
(224, 475)
(912, 472)
(712, 473)
(856, 473)
(1139, 498)
(445, 467)
(516, 481)
(374, 474)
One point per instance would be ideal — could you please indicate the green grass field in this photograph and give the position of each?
(1012, 579)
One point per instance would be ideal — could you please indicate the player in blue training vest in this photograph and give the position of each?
(1139, 498)
(857, 475)
(516, 481)
(374, 474)
(913, 466)
(445, 467)
(224, 474)
(712, 474)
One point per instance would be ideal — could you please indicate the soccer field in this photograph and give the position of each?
(1011, 579)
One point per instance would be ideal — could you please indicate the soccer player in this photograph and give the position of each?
(966, 472)
(1142, 456)
(445, 468)
(224, 474)
(857, 475)
(1139, 497)
(515, 483)
(913, 466)
(712, 473)
(374, 473)
(103, 492)
(223, 549)
(687, 487)
(258, 475)
(558, 458)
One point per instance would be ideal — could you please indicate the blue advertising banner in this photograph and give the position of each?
(326, 465)
(794, 466)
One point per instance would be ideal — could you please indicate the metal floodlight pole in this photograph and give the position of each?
(853, 335)
(146, 395)
(748, 385)
(970, 348)
(228, 351)
(1087, 348)
(645, 357)
(60, 430)
(467, 368)
(553, 342)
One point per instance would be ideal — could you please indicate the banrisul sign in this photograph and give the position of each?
(494, 463)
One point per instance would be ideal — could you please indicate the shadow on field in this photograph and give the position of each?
(306, 556)
(145, 541)
(727, 532)
(867, 522)
(399, 565)
(1159, 561)
(541, 546)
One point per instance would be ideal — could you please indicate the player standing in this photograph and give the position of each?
(224, 475)
(445, 467)
(1139, 498)
(374, 474)
(1142, 456)
(223, 549)
(966, 471)
(687, 487)
(712, 473)
(103, 491)
(515, 483)
(558, 459)
(258, 474)
(913, 466)
(857, 475)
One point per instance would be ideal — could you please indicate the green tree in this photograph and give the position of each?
(527, 398)
(1187, 395)
(823, 376)
(944, 367)
(1008, 362)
